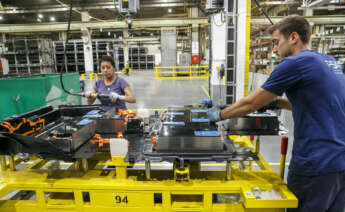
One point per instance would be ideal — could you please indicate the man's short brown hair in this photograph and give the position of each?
(293, 23)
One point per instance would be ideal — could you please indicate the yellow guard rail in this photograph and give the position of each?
(182, 72)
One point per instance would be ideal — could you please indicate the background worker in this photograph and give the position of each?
(315, 87)
(116, 87)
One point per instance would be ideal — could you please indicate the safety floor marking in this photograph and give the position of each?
(205, 91)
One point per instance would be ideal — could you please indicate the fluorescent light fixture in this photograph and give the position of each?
(52, 18)
(169, 10)
(40, 15)
(1, 18)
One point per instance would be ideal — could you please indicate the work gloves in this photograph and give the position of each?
(88, 94)
(114, 97)
(270, 106)
(213, 114)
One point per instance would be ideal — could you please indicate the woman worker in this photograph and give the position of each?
(115, 87)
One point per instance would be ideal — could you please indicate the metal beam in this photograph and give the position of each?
(317, 3)
(314, 19)
(141, 39)
(330, 7)
(105, 5)
(138, 23)
(168, 5)
(270, 3)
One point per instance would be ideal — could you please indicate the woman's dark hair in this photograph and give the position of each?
(107, 58)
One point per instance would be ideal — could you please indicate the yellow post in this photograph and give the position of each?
(84, 164)
(251, 162)
(257, 145)
(90, 76)
(156, 74)
(284, 146)
(173, 72)
(11, 162)
(247, 54)
(190, 72)
(82, 76)
(121, 166)
(3, 162)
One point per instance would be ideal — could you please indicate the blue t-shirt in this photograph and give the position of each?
(315, 86)
(117, 86)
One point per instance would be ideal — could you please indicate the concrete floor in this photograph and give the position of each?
(156, 94)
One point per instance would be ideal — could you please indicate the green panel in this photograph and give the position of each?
(21, 94)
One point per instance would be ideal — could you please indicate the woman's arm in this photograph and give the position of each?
(130, 97)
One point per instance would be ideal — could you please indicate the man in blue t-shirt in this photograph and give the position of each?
(315, 88)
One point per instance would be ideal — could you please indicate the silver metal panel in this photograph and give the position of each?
(184, 59)
(110, 125)
(83, 134)
(168, 45)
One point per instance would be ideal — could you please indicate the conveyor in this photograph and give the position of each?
(86, 160)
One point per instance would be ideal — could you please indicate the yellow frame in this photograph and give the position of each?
(173, 71)
(125, 190)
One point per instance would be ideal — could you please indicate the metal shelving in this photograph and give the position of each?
(139, 59)
(29, 56)
(230, 88)
(75, 54)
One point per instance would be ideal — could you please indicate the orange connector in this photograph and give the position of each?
(98, 139)
(127, 113)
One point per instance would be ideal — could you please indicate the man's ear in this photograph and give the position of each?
(294, 37)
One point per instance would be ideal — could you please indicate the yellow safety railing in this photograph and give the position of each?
(129, 70)
(89, 76)
(182, 72)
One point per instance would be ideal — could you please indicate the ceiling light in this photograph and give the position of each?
(169, 10)
(1, 18)
(52, 18)
(39, 20)
(109, 33)
(101, 30)
(40, 15)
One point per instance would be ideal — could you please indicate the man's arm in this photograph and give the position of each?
(248, 104)
(284, 104)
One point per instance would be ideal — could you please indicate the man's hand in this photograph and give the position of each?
(113, 96)
(213, 114)
(273, 105)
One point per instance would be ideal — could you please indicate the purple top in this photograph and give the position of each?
(117, 86)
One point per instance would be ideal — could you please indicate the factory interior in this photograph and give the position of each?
(69, 144)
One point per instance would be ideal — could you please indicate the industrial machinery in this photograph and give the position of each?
(127, 8)
(78, 158)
